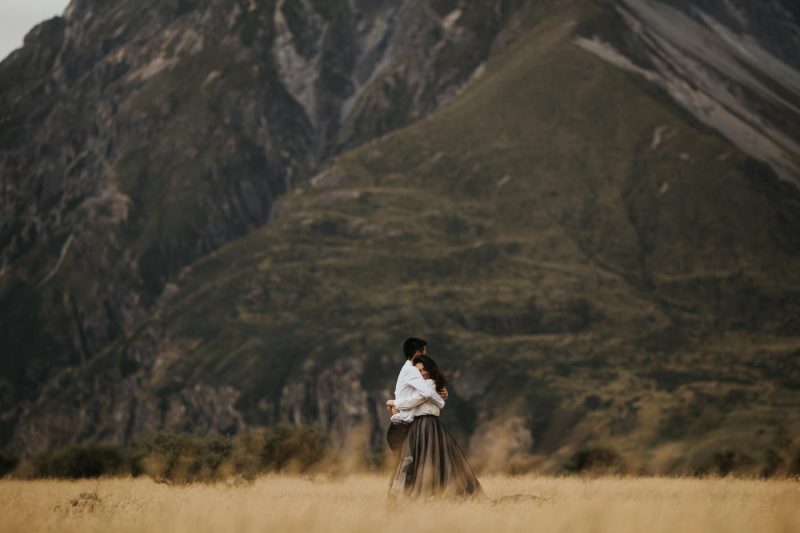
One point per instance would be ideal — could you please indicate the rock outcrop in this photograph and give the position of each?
(139, 137)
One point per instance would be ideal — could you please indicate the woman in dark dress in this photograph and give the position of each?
(431, 462)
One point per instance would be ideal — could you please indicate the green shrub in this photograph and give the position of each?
(188, 458)
(82, 461)
(593, 459)
(8, 462)
(285, 445)
(724, 462)
(185, 458)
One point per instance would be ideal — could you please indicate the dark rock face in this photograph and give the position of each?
(138, 137)
(774, 24)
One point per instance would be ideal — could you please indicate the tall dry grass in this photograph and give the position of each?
(358, 503)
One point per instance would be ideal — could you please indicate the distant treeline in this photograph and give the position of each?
(189, 458)
(182, 457)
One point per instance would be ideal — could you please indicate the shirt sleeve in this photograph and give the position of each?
(414, 400)
(428, 392)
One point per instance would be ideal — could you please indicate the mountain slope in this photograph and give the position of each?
(138, 137)
(728, 80)
(596, 268)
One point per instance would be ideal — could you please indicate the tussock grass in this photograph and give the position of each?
(358, 503)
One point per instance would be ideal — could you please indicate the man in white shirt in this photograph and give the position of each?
(411, 389)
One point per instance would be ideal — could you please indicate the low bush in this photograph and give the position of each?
(183, 457)
(286, 446)
(594, 459)
(8, 462)
(187, 458)
(82, 461)
(724, 462)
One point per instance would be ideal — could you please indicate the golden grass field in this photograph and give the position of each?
(357, 503)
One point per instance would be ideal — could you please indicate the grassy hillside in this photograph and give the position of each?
(137, 137)
(605, 279)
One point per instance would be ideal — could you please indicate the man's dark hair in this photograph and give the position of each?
(413, 345)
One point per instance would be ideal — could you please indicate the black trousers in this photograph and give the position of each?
(396, 436)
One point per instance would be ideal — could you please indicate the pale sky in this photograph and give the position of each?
(17, 17)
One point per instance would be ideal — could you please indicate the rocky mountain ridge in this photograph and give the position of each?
(138, 138)
(725, 79)
(582, 251)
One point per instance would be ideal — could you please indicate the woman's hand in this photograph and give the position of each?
(390, 406)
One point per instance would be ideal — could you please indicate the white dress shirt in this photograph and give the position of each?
(419, 404)
(412, 390)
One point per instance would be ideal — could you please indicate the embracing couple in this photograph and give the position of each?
(429, 460)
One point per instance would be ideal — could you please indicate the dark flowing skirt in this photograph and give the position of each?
(432, 464)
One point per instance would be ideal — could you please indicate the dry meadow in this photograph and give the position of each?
(357, 503)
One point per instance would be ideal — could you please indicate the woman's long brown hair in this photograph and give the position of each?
(433, 371)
